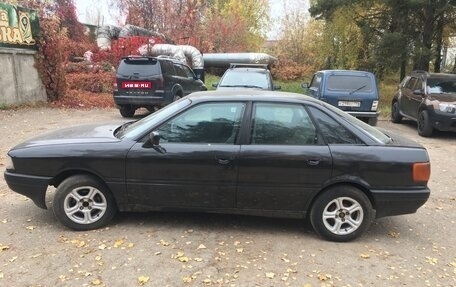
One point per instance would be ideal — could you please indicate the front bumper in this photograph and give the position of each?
(397, 202)
(33, 187)
(443, 121)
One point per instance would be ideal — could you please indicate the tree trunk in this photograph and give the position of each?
(438, 44)
(424, 55)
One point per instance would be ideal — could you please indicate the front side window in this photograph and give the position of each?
(316, 81)
(216, 123)
(282, 124)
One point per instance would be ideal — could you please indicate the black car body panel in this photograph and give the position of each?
(238, 177)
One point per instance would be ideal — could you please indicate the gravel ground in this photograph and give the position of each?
(166, 249)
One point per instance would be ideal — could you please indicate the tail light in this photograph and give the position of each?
(421, 171)
(114, 85)
(160, 84)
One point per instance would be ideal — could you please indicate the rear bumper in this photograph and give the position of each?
(397, 202)
(364, 114)
(33, 187)
(158, 98)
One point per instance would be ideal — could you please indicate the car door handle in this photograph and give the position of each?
(313, 162)
(223, 161)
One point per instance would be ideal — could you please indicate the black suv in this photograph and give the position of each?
(152, 82)
(254, 76)
(429, 99)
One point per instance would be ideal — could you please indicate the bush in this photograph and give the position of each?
(100, 82)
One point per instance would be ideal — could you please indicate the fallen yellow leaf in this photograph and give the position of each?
(143, 280)
(183, 259)
(207, 281)
(364, 255)
(324, 277)
(270, 275)
(187, 279)
(96, 282)
(198, 259)
(240, 250)
(119, 243)
(431, 260)
(4, 247)
(1, 275)
(201, 246)
(164, 243)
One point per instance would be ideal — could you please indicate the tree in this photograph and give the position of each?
(396, 29)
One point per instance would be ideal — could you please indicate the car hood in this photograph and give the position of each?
(445, 97)
(93, 133)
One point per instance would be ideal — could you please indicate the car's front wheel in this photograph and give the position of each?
(127, 111)
(341, 213)
(81, 202)
(395, 113)
(425, 128)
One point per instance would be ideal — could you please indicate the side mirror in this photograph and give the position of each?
(418, 92)
(154, 138)
(277, 87)
(215, 85)
(305, 85)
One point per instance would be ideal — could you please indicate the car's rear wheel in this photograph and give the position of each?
(81, 202)
(341, 213)
(177, 97)
(127, 111)
(425, 128)
(395, 114)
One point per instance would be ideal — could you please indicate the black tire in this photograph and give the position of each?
(424, 125)
(82, 202)
(341, 223)
(177, 97)
(151, 109)
(395, 113)
(127, 111)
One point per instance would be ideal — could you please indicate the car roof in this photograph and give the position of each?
(345, 72)
(425, 74)
(248, 69)
(250, 95)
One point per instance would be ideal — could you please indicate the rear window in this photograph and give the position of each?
(142, 66)
(350, 83)
(248, 79)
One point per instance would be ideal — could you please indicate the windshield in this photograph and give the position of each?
(248, 79)
(372, 132)
(442, 86)
(135, 129)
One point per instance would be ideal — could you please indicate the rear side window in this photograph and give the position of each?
(142, 67)
(282, 124)
(349, 83)
(332, 131)
(167, 68)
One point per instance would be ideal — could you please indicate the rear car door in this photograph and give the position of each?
(197, 164)
(406, 99)
(284, 161)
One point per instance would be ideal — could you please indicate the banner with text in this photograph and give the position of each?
(19, 27)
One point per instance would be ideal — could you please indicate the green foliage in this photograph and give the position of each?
(385, 35)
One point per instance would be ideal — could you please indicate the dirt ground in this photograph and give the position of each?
(165, 249)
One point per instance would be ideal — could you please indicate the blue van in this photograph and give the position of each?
(354, 92)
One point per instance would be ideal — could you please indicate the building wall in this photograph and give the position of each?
(19, 79)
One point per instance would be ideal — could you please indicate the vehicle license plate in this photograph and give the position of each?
(348, 104)
(136, 85)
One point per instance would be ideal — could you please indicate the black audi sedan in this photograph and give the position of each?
(242, 152)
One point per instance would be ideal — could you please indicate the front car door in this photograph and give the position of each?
(284, 162)
(196, 166)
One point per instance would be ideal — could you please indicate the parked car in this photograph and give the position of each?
(152, 82)
(250, 76)
(239, 151)
(427, 98)
(354, 92)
